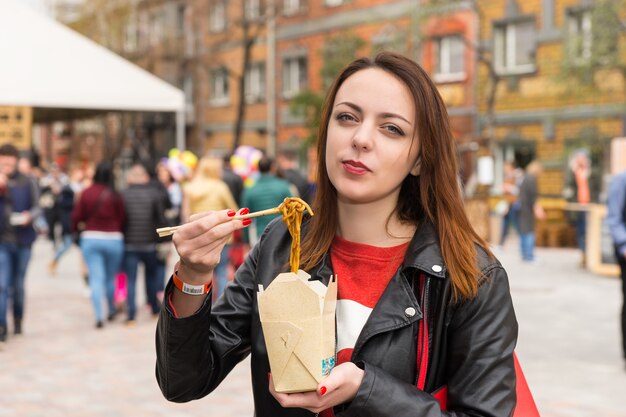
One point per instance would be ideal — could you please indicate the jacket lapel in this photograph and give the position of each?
(396, 308)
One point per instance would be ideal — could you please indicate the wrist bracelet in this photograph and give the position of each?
(191, 289)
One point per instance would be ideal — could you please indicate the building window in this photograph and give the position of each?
(156, 29)
(579, 35)
(131, 35)
(188, 89)
(291, 7)
(450, 59)
(181, 13)
(333, 3)
(255, 83)
(252, 9)
(219, 87)
(217, 16)
(294, 75)
(515, 47)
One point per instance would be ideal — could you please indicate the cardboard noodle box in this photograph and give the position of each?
(298, 321)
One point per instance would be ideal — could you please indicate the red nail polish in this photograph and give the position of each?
(269, 375)
(243, 211)
(246, 222)
(322, 390)
(231, 213)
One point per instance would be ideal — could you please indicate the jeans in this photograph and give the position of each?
(131, 263)
(67, 244)
(14, 260)
(527, 245)
(581, 230)
(511, 218)
(104, 259)
(622, 266)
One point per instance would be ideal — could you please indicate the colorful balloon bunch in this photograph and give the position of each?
(245, 163)
(181, 164)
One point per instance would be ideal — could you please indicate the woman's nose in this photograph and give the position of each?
(362, 138)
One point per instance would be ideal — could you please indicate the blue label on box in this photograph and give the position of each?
(327, 365)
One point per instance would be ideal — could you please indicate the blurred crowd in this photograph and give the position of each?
(112, 215)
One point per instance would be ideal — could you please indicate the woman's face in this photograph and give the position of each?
(370, 131)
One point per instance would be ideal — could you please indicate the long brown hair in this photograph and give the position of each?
(433, 196)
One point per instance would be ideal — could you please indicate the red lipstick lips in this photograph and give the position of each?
(355, 167)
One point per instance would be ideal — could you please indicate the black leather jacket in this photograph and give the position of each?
(471, 342)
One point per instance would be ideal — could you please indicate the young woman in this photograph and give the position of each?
(100, 211)
(390, 223)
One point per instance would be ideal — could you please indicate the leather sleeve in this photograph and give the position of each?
(482, 335)
(195, 353)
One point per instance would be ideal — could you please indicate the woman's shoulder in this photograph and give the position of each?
(487, 262)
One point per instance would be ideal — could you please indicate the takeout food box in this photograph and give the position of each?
(298, 320)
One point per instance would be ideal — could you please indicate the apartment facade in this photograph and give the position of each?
(552, 98)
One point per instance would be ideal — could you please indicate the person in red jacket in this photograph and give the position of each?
(99, 215)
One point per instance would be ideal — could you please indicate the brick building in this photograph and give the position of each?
(539, 109)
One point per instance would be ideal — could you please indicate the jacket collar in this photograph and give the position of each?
(424, 252)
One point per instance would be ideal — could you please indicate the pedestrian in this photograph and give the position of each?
(510, 190)
(206, 192)
(19, 197)
(580, 188)
(232, 179)
(51, 186)
(63, 205)
(389, 221)
(99, 216)
(267, 192)
(288, 169)
(145, 212)
(530, 209)
(616, 222)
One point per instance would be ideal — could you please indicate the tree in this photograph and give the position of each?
(337, 52)
(595, 42)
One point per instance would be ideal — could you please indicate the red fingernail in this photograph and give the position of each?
(322, 390)
(243, 211)
(269, 375)
(246, 222)
(231, 213)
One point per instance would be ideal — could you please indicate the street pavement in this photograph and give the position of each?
(569, 348)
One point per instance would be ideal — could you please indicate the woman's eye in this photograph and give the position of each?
(345, 117)
(394, 129)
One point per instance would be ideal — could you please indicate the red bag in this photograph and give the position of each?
(121, 288)
(525, 407)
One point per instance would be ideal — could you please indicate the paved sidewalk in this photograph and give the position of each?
(63, 367)
(568, 347)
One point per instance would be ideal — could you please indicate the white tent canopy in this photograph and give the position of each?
(44, 64)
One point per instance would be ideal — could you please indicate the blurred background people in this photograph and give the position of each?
(63, 206)
(529, 210)
(580, 188)
(100, 216)
(51, 185)
(145, 212)
(510, 190)
(267, 192)
(287, 164)
(19, 196)
(208, 192)
(234, 181)
(616, 222)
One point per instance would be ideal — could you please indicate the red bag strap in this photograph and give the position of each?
(422, 340)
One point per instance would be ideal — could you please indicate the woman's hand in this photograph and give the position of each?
(339, 387)
(199, 243)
